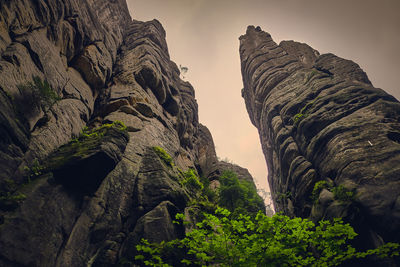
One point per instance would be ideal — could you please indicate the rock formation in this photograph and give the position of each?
(77, 186)
(331, 140)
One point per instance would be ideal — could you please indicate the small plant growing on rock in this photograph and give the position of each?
(238, 196)
(85, 144)
(9, 197)
(283, 196)
(343, 194)
(318, 188)
(34, 170)
(164, 156)
(191, 180)
(340, 192)
(37, 93)
(102, 130)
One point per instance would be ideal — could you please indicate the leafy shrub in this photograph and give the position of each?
(340, 192)
(238, 196)
(164, 156)
(34, 170)
(317, 189)
(36, 94)
(283, 196)
(208, 193)
(191, 180)
(224, 240)
(343, 194)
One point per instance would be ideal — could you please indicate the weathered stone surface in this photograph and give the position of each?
(24, 236)
(102, 194)
(83, 164)
(42, 38)
(320, 118)
(207, 157)
(211, 167)
(156, 182)
(155, 226)
(95, 64)
(133, 123)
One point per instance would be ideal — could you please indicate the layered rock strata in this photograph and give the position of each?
(76, 196)
(331, 140)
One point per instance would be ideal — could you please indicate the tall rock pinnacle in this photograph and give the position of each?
(98, 135)
(331, 140)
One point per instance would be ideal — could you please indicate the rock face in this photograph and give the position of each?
(71, 196)
(331, 140)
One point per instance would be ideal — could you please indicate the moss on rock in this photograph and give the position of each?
(82, 164)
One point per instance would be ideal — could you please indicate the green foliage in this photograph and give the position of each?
(35, 170)
(100, 131)
(95, 134)
(317, 189)
(203, 205)
(191, 180)
(283, 196)
(37, 93)
(10, 195)
(340, 192)
(89, 139)
(208, 193)
(343, 194)
(238, 196)
(225, 240)
(154, 250)
(164, 156)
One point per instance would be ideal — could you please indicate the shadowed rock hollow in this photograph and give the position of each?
(330, 139)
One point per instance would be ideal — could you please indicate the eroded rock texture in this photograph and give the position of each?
(87, 202)
(320, 119)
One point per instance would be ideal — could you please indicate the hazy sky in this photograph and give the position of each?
(203, 35)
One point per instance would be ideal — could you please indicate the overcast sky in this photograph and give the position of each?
(203, 35)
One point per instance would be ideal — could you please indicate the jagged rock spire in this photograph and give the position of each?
(320, 119)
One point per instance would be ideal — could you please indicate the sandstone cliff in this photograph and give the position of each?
(77, 187)
(331, 140)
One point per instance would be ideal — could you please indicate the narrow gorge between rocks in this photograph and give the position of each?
(101, 143)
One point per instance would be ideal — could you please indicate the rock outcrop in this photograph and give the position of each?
(86, 94)
(331, 140)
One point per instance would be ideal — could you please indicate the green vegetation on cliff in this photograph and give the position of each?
(37, 93)
(9, 197)
(238, 196)
(227, 240)
(191, 180)
(340, 192)
(164, 155)
(88, 141)
(231, 229)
